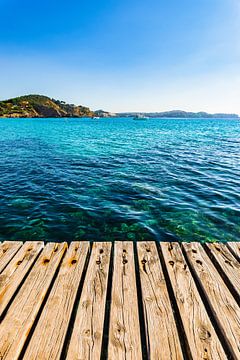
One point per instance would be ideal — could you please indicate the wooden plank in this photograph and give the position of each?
(86, 339)
(124, 334)
(225, 309)
(14, 273)
(228, 265)
(7, 250)
(20, 317)
(48, 337)
(235, 247)
(202, 338)
(161, 331)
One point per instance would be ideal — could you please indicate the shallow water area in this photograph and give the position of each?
(119, 179)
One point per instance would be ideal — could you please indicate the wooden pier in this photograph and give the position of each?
(119, 300)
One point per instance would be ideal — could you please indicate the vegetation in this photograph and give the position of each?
(180, 114)
(41, 106)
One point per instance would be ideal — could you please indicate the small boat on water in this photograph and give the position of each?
(140, 117)
(95, 117)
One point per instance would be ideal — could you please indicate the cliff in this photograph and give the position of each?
(35, 106)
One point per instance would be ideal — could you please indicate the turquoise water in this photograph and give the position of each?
(110, 179)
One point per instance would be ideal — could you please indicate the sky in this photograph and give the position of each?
(123, 55)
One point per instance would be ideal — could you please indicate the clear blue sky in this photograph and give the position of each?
(122, 55)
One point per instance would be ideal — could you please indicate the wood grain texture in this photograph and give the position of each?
(7, 250)
(228, 264)
(124, 333)
(48, 337)
(39, 296)
(14, 273)
(225, 309)
(202, 338)
(19, 319)
(86, 339)
(161, 330)
(235, 248)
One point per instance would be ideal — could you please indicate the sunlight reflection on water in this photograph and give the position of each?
(78, 179)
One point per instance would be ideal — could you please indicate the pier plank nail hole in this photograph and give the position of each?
(119, 300)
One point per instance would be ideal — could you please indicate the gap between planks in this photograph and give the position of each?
(26, 284)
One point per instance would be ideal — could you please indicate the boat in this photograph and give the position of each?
(140, 117)
(95, 117)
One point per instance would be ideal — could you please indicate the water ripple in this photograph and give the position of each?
(79, 179)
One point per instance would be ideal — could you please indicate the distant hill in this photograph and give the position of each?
(35, 106)
(179, 114)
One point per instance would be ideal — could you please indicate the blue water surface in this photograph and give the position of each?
(120, 179)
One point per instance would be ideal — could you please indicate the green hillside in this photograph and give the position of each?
(41, 106)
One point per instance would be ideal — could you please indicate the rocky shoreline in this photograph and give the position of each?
(39, 106)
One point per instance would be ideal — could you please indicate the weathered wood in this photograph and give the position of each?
(87, 332)
(7, 250)
(235, 248)
(48, 337)
(124, 334)
(43, 328)
(161, 330)
(20, 317)
(225, 309)
(229, 266)
(16, 270)
(202, 338)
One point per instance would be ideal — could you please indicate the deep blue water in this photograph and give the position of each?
(110, 179)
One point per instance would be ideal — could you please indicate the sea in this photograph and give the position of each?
(120, 179)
